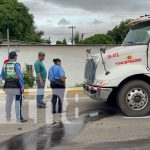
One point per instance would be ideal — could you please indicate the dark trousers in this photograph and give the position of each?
(57, 95)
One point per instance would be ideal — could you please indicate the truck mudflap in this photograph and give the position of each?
(97, 93)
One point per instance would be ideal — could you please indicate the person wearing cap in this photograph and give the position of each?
(21, 117)
(41, 75)
(14, 86)
(57, 79)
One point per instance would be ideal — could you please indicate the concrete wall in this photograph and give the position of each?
(73, 58)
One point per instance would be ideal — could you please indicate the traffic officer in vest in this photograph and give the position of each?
(14, 86)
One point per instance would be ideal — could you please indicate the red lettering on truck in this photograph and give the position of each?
(114, 55)
(129, 61)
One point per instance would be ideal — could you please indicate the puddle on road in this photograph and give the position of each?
(52, 135)
(97, 115)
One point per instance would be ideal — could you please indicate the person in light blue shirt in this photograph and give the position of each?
(56, 76)
(57, 71)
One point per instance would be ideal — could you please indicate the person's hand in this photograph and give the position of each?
(41, 83)
(65, 84)
(22, 90)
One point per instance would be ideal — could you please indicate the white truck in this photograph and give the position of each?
(123, 72)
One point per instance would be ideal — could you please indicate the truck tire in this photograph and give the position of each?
(134, 98)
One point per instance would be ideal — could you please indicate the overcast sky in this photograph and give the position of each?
(88, 16)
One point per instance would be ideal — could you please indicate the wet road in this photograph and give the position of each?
(44, 138)
(60, 131)
(53, 135)
(59, 134)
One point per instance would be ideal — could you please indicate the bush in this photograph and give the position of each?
(28, 80)
(78, 85)
(1, 86)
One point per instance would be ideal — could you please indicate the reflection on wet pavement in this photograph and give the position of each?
(45, 137)
(52, 135)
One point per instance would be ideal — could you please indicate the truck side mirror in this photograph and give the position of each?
(103, 49)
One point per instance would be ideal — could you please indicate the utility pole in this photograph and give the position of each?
(8, 40)
(72, 40)
(82, 36)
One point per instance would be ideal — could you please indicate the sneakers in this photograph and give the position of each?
(54, 112)
(41, 106)
(23, 120)
(44, 104)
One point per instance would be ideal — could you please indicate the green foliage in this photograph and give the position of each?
(28, 79)
(59, 42)
(120, 31)
(77, 38)
(64, 42)
(15, 16)
(78, 85)
(1, 86)
(114, 36)
(99, 39)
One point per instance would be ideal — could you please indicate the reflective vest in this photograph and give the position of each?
(10, 70)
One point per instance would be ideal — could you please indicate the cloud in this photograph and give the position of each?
(63, 21)
(107, 6)
(49, 20)
(96, 21)
(88, 16)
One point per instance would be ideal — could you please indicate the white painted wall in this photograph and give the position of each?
(73, 58)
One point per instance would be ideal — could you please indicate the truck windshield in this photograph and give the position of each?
(139, 34)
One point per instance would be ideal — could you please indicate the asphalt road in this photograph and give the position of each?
(86, 124)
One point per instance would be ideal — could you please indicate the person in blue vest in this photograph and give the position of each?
(57, 79)
(14, 86)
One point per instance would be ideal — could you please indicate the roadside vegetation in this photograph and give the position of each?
(15, 16)
(29, 80)
(78, 85)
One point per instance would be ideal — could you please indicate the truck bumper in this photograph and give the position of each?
(97, 93)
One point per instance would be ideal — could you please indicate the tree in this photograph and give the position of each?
(15, 16)
(77, 38)
(59, 42)
(64, 42)
(99, 39)
(120, 31)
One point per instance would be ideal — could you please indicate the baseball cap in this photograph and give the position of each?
(12, 54)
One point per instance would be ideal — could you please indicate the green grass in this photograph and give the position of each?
(78, 85)
(1, 86)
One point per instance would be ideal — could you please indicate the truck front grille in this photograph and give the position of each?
(90, 70)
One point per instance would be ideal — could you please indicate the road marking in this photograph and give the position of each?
(64, 99)
(145, 117)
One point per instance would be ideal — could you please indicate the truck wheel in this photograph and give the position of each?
(134, 98)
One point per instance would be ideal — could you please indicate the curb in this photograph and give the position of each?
(30, 92)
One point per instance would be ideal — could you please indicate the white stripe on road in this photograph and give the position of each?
(144, 117)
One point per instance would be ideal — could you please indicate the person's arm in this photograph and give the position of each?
(20, 76)
(62, 74)
(49, 75)
(3, 73)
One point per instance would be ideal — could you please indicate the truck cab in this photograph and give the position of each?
(123, 72)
